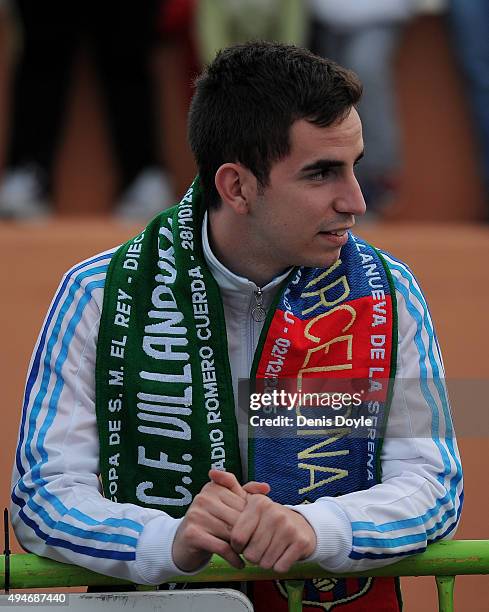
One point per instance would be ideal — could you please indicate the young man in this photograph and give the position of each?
(254, 274)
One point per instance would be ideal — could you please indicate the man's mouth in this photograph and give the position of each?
(340, 232)
(337, 233)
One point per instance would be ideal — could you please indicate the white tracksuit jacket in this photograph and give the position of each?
(57, 507)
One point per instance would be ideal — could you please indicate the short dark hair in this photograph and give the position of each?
(247, 99)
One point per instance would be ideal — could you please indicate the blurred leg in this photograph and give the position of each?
(470, 23)
(123, 36)
(370, 53)
(41, 81)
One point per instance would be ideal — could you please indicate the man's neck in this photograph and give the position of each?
(233, 246)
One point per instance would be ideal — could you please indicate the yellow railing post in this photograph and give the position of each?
(295, 589)
(444, 560)
(444, 585)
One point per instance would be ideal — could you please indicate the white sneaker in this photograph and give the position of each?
(148, 195)
(22, 195)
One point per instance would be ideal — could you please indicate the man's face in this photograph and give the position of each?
(302, 216)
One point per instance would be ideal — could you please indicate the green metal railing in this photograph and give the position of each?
(444, 560)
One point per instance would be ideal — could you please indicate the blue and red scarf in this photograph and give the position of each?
(331, 337)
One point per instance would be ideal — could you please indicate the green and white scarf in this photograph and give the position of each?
(163, 378)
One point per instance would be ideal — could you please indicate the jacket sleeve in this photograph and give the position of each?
(420, 497)
(58, 510)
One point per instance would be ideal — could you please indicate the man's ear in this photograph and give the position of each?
(237, 187)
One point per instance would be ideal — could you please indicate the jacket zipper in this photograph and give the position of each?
(258, 313)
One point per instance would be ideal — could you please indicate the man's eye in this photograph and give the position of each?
(321, 175)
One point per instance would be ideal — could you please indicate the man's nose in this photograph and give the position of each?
(351, 200)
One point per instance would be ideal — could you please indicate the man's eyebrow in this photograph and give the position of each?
(326, 164)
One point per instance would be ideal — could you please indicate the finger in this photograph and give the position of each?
(228, 480)
(274, 551)
(267, 533)
(292, 538)
(214, 491)
(234, 501)
(213, 524)
(223, 549)
(194, 543)
(257, 487)
(292, 554)
(259, 543)
(217, 507)
(244, 528)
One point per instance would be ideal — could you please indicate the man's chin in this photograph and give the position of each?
(321, 261)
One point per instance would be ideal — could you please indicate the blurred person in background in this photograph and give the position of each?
(220, 23)
(469, 21)
(364, 35)
(120, 37)
(176, 26)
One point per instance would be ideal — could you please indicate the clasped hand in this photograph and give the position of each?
(228, 519)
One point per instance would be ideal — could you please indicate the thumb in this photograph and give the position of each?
(228, 480)
(257, 487)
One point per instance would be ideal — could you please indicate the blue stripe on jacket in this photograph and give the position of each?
(78, 274)
(449, 497)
